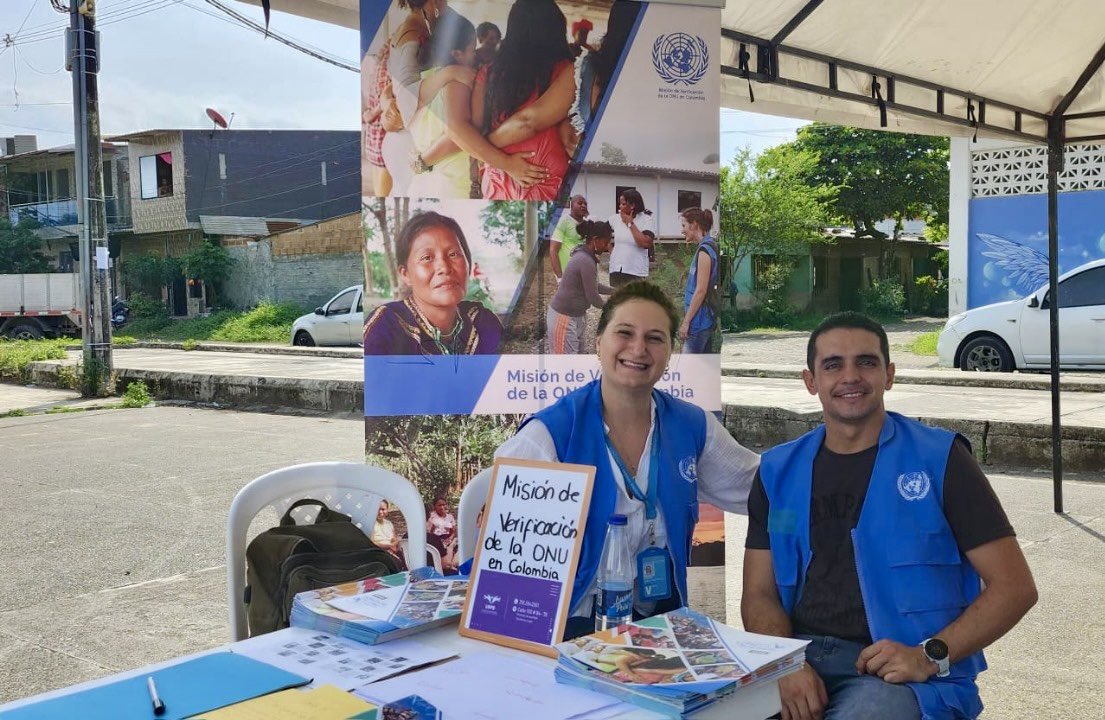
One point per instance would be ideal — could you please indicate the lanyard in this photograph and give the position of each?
(631, 486)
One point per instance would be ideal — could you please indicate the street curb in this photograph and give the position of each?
(1017, 445)
(330, 352)
(1010, 381)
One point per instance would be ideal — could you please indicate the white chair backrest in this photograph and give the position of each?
(471, 502)
(350, 488)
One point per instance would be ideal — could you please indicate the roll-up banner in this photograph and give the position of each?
(499, 138)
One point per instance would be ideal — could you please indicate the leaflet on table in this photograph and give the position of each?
(412, 603)
(327, 658)
(679, 654)
(525, 688)
(320, 703)
(513, 383)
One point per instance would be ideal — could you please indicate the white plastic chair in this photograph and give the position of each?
(350, 488)
(471, 502)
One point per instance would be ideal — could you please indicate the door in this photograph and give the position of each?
(356, 321)
(1081, 323)
(333, 327)
(851, 283)
(179, 293)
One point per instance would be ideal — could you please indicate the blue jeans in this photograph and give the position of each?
(699, 342)
(853, 696)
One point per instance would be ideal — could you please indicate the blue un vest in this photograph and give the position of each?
(913, 579)
(576, 425)
(704, 318)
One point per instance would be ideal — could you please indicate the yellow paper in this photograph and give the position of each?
(326, 702)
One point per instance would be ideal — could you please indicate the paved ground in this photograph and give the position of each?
(116, 524)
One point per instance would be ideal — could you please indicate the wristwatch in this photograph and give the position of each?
(936, 650)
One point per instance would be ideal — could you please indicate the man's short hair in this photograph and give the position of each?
(848, 320)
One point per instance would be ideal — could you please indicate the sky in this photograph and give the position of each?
(165, 61)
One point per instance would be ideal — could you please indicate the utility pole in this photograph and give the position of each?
(82, 59)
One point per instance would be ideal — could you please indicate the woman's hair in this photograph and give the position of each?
(635, 201)
(421, 223)
(639, 290)
(452, 33)
(416, 4)
(619, 26)
(535, 41)
(588, 229)
(439, 498)
(701, 217)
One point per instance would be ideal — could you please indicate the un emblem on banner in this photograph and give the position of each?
(680, 59)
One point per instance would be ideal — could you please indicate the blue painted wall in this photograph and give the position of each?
(1007, 242)
(274, 174)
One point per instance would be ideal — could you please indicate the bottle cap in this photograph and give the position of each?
(617, 520)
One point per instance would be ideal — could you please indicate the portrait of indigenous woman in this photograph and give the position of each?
(444, 138)
(579, 290)
(634, 236)
(434, 264)
(656, 457)
(700, 304)
(523, 98)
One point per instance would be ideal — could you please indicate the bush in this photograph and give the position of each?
(268, 322)
(189, 345)
(885, 299)
(774, 305)
(931, 296)
(137, 395)
(144, 307)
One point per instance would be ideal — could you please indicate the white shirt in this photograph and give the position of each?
(627, 256)
(725, 470)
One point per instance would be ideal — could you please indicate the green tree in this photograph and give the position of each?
(504, 222)
(20, 248)
(147, 274)
(613, 154)
(211, 263)
(879, 174)
(767, 207)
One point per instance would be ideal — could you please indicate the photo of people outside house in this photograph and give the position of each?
(484, 98)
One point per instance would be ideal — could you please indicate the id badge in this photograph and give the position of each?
(653, 574)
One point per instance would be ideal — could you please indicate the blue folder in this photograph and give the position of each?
(195, 686)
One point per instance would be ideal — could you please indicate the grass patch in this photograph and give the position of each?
(749, 322)
(137, 395)
(16, 412)
(268, 322)
(925, 344)
(16, 355)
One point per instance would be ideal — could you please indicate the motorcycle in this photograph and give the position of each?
(120, 313)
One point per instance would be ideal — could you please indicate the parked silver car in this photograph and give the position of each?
(340, 321)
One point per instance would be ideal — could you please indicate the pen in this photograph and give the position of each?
(158, 706)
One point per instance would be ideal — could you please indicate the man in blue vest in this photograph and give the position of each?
(871, 536)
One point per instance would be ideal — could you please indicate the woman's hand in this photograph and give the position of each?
(684, 330)
(523, 171)
(627, 217)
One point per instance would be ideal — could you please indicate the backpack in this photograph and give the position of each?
(290, 559)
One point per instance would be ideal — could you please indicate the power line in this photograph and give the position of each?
(107, 18)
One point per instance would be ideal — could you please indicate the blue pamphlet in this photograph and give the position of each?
(189, 688)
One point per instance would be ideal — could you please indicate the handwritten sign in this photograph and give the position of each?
(526, 555)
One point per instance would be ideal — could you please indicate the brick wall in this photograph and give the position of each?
(341, 235)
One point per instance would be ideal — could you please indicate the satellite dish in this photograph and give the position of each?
(217, 118)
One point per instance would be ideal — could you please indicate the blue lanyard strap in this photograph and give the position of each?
(631, 486)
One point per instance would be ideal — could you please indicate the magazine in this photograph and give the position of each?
(679, 662)
(380, 609)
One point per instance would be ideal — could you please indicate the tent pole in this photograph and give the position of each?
(1054, 166)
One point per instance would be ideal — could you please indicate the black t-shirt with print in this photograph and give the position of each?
(831, 603)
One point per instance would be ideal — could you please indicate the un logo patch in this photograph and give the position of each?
(688, 468)
(680, 59)
(914, 485)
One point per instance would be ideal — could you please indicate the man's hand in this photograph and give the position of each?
(802, 695)
(895, 663)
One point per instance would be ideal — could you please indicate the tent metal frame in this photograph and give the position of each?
(768, 53)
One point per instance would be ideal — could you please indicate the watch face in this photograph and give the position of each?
(936, 649)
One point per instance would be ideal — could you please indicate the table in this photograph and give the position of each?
(755, 704)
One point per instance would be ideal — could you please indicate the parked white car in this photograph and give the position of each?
(340, 321)
(1016, 334)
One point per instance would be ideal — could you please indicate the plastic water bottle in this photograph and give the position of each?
(614, 605)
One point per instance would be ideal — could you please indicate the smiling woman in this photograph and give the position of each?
(434, 263)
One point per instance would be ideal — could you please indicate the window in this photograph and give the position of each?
(820, 274)
(618, 190)
(109, 184)
(761, 264)
(689, 199)
(65, 261)
(156, 175)
(342, 304)
(1082, 290)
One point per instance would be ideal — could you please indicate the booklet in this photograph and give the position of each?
(679, 662)
(381, 609)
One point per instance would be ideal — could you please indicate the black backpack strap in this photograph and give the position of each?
(325, 514)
